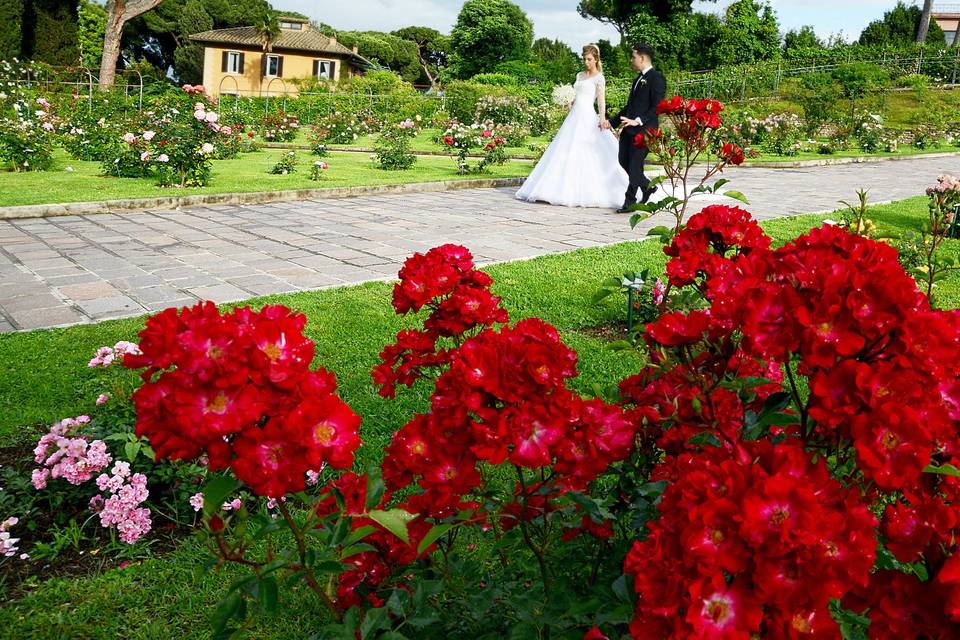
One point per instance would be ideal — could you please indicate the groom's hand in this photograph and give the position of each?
(627, 122)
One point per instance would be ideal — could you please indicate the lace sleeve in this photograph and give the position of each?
(602, 97)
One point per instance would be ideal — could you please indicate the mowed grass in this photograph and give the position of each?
(46, 378)
(84, 182)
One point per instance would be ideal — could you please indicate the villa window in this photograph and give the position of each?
(273, 66)
(324, 69)
(232, 62)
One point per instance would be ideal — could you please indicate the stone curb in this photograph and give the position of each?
(798, 164)
(255, 197)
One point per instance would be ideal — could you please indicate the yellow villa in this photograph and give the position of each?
(236, 63)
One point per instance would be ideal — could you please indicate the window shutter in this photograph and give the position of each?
(333, 71)
(316, 68)
(240, 70)
(223, 61)
(263, 65)
(279, 66)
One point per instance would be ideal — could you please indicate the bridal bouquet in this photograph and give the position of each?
(564, 94)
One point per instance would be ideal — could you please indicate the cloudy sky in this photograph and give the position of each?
(559, 18)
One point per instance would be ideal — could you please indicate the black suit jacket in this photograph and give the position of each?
(645, 96)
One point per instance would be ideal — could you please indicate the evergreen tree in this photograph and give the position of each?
(750, 33)
(487, 33)
(11, 36)
(898, 27)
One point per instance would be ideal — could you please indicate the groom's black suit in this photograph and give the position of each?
(648, 90)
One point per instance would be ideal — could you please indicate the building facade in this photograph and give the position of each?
(948, 17)
(238, 61)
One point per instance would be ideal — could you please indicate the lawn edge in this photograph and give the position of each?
(253, 197)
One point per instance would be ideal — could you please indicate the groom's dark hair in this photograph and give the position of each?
(644, 48)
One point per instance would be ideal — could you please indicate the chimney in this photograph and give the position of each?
(333, 39)
(355, 49)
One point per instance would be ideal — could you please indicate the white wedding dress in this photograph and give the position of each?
(580, 167)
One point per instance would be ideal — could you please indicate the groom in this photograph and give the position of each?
(640, 114)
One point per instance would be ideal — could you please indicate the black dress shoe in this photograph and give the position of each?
(647, 193)
(626, 208)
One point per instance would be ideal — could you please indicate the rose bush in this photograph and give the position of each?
(464, 139)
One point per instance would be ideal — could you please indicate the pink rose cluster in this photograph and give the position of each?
(106, 355)
(945, 184)
(64, 454)
(122, 509)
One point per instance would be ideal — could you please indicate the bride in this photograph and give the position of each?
(580, 168)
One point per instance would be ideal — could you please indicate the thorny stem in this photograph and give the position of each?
(308, 572)
(524, 531)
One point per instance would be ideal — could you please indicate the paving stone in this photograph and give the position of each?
(101, 307)
(40, 318)
(89, 290)
(220, 293)
(127, 265)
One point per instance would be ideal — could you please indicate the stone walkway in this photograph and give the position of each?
(75, 269)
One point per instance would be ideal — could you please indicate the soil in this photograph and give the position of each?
(611, 331)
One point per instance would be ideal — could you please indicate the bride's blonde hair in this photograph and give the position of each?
(595, 51)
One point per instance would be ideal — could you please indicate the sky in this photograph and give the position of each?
(558, 19)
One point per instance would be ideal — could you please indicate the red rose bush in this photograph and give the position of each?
(781, 507)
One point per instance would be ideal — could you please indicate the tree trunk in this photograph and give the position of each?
(119, 12)
(426, 71)
(925, 21)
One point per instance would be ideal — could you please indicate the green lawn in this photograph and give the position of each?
(46, 379)
(246, 173)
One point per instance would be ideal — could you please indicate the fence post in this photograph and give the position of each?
(743, 89)
(776, 81)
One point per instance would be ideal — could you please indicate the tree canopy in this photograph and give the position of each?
(487, 33)
(433, 50)
(750, 33)
(799, 39)
(620, 13)
(899, 26)
(387, 50)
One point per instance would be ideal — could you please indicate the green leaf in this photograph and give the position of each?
(216, 490)
(130, 450)
(660, 231)
(374, 620)
(620, 345)
(375, 487)
(622, 588)
(944, 470)
(432, 536)
(719, 183)
(268, 594)
(228, 608)
(359, 534)
(600, 295)
(395, 521)
(637, 218)
(736, 195)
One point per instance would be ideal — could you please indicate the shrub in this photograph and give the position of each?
(26, 140)
(286, 164)
(461, 98)
(464, 138)
(317, 139)
(319, 170)
(345, 127)
(280, 127)
(392, 146)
